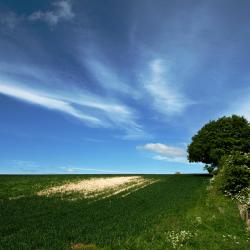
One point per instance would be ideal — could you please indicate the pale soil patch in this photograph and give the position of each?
(103, 186)
(16, 197)
(83, 246)
(134, 186)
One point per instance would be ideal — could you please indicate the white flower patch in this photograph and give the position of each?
(177, 239)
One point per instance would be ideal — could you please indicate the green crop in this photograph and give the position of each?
(177, 212)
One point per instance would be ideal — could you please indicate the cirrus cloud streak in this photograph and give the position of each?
(62, 11)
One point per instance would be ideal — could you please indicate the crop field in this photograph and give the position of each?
(97, 212)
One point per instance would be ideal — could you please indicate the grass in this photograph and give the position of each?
(176, 212)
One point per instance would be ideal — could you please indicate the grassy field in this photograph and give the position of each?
(175, 212)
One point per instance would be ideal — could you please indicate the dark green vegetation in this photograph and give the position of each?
(219, 138)
(234, 174)
(177, 210)
(224, 146)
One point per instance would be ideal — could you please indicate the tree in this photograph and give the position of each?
(209, 168)
(218, 138)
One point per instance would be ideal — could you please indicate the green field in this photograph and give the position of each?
(177, 212)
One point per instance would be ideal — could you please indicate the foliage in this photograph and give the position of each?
(210, 168)
(176, 210)
(218, 138)
(234, 173)
(242, 197)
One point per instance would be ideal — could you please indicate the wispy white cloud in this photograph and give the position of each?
(105, 74)
(21, 163)
(62, 11)
(8, 19)
(117, 115)
(90, 109)
(83, 169)
(165, 152)
(31, 167)
(164, 149)
(150, 83)
(40, 98)
(106, 77)
(170, 159)
(166, 98)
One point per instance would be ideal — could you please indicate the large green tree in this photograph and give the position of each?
(218, 138)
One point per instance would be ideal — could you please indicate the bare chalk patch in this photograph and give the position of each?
(17, 197)
(83, 246)
(101, 188)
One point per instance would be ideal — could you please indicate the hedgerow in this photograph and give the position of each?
(234, 173)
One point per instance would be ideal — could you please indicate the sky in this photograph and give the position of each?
(91, 86)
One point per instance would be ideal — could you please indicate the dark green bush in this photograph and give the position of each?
(234, 173)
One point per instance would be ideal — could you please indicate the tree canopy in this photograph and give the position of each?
(218, 138)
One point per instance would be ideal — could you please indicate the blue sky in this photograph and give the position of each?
(117, 86)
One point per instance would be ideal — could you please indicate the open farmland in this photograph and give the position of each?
(117, 212)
